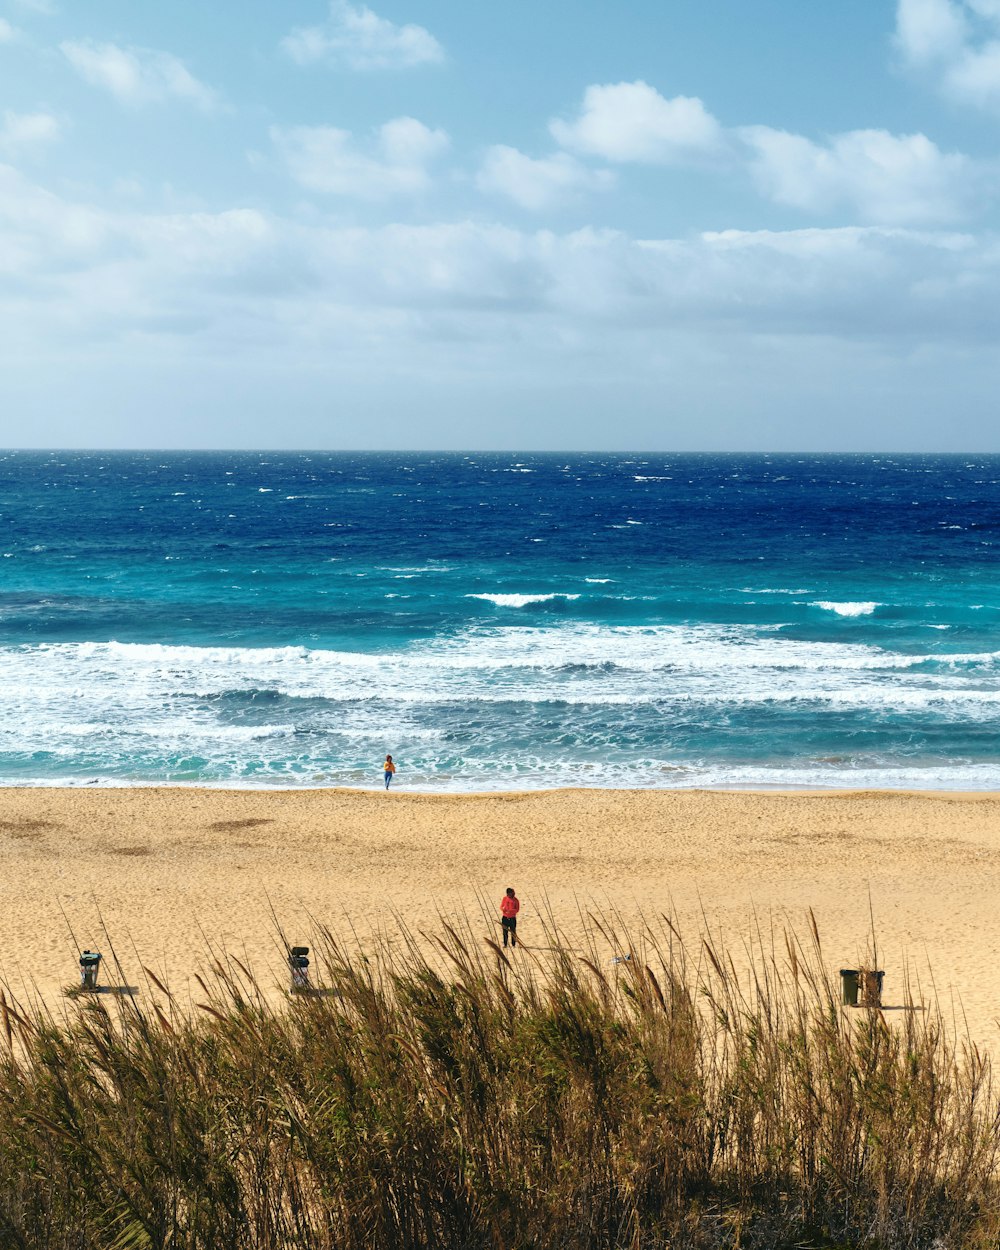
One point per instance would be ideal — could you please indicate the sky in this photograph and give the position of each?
(654, 225)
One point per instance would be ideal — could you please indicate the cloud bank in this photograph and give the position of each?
(115, 273)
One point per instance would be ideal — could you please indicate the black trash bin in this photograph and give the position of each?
(849, 982)
(90, 962)
(298, 963)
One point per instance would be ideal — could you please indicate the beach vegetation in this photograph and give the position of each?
(638, 1091)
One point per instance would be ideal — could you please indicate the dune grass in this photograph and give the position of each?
(452, 1095)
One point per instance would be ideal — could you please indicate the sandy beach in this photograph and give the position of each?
(168, 870)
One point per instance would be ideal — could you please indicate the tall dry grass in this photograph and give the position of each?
(456, 1096)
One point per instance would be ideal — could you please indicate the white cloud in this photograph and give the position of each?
(326, 159)
(358, 38)
(7, 32)
(24, 131)
(872, 175)
(955, 43)
(631, 121)
(137, 75)
(537, 184)
(37, 6)
(881, 177)
(930, 30)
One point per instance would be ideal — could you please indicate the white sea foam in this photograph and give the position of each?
(847, 609)
(520, 601)
(474, 775)
(273, 711)
(655, 662)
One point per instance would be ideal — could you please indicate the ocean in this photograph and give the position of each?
(499, 621)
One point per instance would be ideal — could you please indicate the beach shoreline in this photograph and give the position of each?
(163, 873)
(376, 787)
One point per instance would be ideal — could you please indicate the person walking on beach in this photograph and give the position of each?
(510, 905)
(390, 768)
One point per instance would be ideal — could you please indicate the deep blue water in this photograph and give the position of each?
(499, 621)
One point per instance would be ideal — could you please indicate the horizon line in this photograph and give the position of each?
(485, 451)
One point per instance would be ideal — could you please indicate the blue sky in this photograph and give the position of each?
(660, 225)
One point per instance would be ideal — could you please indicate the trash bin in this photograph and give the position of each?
(90, 961)
(849, 986)
(871, 987)
(298, 963)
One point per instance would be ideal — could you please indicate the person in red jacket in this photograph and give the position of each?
(510, 905)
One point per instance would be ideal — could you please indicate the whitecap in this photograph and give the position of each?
(520, 601)
(847, 608)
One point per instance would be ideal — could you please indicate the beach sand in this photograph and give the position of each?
(169, 870)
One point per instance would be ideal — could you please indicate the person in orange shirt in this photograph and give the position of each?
(390, 768)
(510, 905)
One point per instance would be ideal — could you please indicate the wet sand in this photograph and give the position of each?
(163, 872)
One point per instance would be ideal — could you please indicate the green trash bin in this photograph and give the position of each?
(849, 986)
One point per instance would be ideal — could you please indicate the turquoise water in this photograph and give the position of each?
(499, 621)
